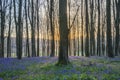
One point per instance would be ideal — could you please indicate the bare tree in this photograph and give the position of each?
(117, 23)
(51, 14)
(33, 29)
(19, 31)
(19, 28)
(109, 36)
(82, 30)
(9, 32)
(87, 31)
(38, 29)
(92, 30)
(27, 31)
(3, 13)
(98, 34)
(63, 29)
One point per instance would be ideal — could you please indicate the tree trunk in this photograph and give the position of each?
(0, 27)
(2, 32)
(33, 30)
(51, 14)
(98, 34)
(63, 29)
(117, 27)
(87, 31)
(109, 36)
(3, 13)
(9, 33)
(82, 33)
(92, 35)
(27, 31)
(19, 31)
(38, 38)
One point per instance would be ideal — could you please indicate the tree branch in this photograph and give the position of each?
(74, 19)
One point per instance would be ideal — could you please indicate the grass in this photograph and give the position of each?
(44, 68)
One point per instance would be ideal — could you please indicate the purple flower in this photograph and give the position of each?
(1, 78)
(88, 72)
(14, 77)
(106, 71)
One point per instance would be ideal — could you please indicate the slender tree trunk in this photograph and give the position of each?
(74, 49)
(82, 33)
(9, 32)
(78, 39)
(16, 24)
(0, 27)
(19, 31)
(38, 38)
(98, 34)
(92, 35)
(3, 13)
(33, 29)
(51, 14)
(27, 31)
(69, 3)
(117, 23)
(87, 31)
(2, 33)
(43, 47)
(109, 36)
(103, 33)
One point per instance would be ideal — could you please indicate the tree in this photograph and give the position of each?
(19, 28)
(9, 32)
(33, 29)
(103, 28)
(98, 34)
(82, 32)
(92, 30)
(27, 31)
(109, 36)
(117, 23)
(2, 25)
(19, 31)
(63, 29)
(51, 15)
(38, 38)
(87, 31)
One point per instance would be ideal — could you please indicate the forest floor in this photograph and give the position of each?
(43, 68)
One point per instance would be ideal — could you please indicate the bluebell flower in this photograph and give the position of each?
(106, 71)
(88, 72)
(14, 77)
(1, 78)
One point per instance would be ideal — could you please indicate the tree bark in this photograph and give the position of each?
(33, 29)
(19, 31)
(98, 34)
(109, 36)
(9, 33)
(27, 31)
(117, 26)
(63, 29)
(51, 14)
(87, 31)
(38, 32)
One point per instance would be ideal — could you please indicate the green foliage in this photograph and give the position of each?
(8, 75)
(61, 77)
(78, 70)
(87, 77)
(110, 77)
